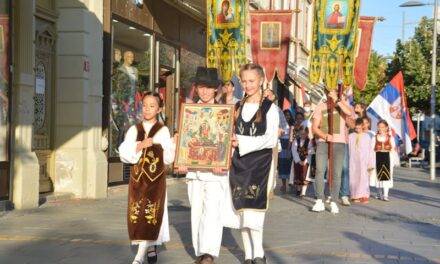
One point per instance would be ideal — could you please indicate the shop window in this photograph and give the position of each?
(189, 62)
(4, 99)
(131, 73)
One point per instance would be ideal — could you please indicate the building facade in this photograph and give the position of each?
(64, 87)
(297, 83)
(149, 46)
(55, 72)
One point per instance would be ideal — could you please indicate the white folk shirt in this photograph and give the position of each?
(127, 150)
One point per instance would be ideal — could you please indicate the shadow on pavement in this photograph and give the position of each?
(384, 253)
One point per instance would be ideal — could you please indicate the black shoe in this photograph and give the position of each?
(298, 193)
(152, 256)
(248, 261)
(205, 258)
(260, 260)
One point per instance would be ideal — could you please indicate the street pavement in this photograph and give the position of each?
(404, 230)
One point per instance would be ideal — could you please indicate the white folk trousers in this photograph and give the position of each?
(206, 199)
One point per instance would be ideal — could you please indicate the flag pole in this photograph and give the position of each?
(331, 106)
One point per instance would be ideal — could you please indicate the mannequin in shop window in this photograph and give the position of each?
(125, 93)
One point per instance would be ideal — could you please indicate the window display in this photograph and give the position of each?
(4, 99)
(130, 80)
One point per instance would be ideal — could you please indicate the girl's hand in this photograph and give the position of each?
(182, 169)
(217, 170)
(147, 142)
(234, 141)
(175, 138)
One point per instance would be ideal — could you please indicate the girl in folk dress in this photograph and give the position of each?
(148, 147)
(302, 155)
(385, 148)
(256, 134)
(361, 157)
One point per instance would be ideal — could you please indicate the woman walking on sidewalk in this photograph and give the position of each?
(148, 147)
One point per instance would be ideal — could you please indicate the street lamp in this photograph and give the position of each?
(433, 81)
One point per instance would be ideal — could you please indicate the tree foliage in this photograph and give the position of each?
(376, 79)
(414, 59)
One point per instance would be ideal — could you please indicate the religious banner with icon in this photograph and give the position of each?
(270, 39)
(333, 44)
(363, 50)
(226, 37)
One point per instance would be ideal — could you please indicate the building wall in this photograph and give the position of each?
(24, 161)
(80, 165)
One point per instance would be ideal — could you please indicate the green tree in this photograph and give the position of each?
(414, 59)
(375, 81)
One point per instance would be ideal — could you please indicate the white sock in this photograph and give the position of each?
(247, 243)
(142, 249)
(257, 242)
(385, 191)
(303, 190)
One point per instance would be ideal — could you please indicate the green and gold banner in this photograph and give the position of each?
(226, 39)
(334, 39)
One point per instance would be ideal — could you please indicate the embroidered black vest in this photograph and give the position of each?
(252, 128)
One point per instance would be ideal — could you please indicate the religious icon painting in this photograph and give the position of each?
(270, 35)
(226, 14)
(336, 16)
(205, 133)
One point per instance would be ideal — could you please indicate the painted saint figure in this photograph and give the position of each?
(226, 14)
(335, 19)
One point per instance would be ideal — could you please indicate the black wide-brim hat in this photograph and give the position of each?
(206, 76)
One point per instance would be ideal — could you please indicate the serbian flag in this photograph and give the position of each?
(270, 39)
(365, 31)
(390, 105)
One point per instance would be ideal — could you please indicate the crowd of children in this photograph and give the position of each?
(370, 156)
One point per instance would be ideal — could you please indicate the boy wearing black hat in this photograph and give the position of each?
(206, 189)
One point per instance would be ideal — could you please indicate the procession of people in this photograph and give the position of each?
(220, 198)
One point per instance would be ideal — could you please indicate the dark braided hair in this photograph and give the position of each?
(260, 72)
(155, 95)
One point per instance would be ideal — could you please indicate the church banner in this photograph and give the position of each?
(270, 39)
(333, 44)
(363, 50)
(226, 38)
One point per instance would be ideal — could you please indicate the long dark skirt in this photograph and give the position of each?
(249, 179)
(383, 166)
(284, 161)
(300, 174)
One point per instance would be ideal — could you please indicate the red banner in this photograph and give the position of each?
(270, 38)
(365, 29)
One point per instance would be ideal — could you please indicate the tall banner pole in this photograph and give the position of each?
(332, 56)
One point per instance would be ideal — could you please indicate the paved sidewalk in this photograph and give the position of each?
(404, 230)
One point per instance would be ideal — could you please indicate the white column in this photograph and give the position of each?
(25, 168)
(80, 166)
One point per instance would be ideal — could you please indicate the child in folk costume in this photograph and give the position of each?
(385, 148)
(148, 147)
(361, 162)
(302, 154)
(256, 134)
(207, 190)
